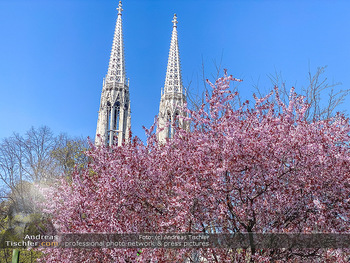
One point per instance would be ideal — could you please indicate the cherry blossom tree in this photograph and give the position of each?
(260, 168)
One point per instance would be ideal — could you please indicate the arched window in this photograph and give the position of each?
(108, 123)
(176, 122)
(116, 112)
(169, 125)
(177, 119)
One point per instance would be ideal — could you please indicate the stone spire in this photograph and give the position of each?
(173, 80)
(116, 68)
(113, 123)
(172, 95)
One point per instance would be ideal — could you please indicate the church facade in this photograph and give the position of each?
(114, 115)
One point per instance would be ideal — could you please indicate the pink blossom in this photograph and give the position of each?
(252, 169)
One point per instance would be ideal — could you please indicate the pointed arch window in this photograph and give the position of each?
(108, 123)
(169, 125)
(176, 120)
(116, 113)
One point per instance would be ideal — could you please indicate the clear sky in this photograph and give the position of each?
(54, 54)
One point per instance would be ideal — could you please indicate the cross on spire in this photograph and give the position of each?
(174, 20)
(120, 9)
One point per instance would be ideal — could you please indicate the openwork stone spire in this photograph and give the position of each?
(173, 80)
(113, 125)
(173, 98)
(116, 68)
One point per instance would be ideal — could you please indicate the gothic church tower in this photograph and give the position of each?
(113, 123)
(172, 95)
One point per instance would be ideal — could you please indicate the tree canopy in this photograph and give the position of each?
(260, 168)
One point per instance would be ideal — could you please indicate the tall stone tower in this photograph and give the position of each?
(172, 95)
(113, 123)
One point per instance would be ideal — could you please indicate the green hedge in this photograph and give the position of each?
(26, 256)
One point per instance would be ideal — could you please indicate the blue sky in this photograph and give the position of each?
(54, 54)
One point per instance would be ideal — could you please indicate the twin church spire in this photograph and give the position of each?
(113, 125)
(114, 120)
(172, 98)
(173, 80)
(116, 68)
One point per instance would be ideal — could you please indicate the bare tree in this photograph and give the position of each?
(316, 93)
(24, 160)
(69, 153)
(36, 157)
(27, 157)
